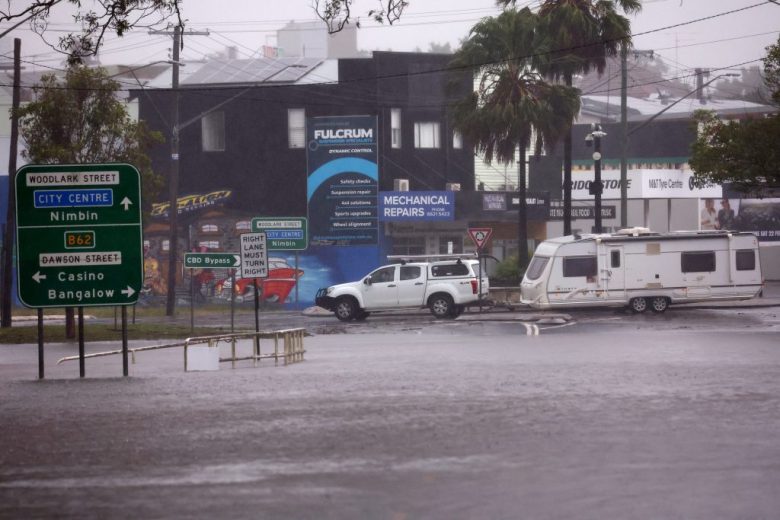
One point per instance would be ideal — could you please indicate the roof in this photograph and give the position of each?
(255, 71)
(639, 109)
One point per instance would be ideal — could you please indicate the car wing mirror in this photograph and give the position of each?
(367, 280)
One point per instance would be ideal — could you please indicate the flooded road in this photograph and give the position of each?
(594, 418)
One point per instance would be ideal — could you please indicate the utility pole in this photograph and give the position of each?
(624, 129)
(624, 135)
(10, 221)
(173, 180)
(700, 74)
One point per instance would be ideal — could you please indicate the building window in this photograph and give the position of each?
(409, 245)
(746, 260)
(426, 134)
(296, 127)
(450, 245)
(209, 244)
(243, 225)
(457, 140)
(576, 266)
(209, 228)
(165, 245)
(213, 132)
(395, 127)
(698, 262)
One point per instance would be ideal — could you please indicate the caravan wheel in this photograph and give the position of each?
(659, 304)
(638, 305)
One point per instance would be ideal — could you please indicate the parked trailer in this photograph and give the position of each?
(641, 269)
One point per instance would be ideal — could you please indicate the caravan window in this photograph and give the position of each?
(536, 267)
(615, 258)
(746, 260)
(698, 262)
(579, 266)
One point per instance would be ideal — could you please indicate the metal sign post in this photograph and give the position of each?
(79, 236)
(208, 261)
(480, 236)
(283, 233)
(254, 264)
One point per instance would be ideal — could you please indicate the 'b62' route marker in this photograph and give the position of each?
(79, 235)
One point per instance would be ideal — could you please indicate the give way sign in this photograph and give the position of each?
(480, 236)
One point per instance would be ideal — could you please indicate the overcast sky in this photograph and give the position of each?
(722, 41)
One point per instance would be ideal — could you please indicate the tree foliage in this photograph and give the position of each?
(743, 153)
(513, 104)
(80, 120)
(104, 16)
(337, 14)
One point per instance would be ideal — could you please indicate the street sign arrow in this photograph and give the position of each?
(129, 291)
(126, 203)
(38, 276)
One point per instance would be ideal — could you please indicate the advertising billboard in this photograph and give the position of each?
(758, 216)
(342, 180)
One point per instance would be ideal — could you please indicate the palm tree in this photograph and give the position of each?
(581, 35)
(512, 100)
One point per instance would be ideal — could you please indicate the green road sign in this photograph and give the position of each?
(283, 233)
(211, 260)
(79, 235)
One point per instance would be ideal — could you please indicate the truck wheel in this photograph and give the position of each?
(659, 304)
(441, 306)
(638, 305)
(345, 309)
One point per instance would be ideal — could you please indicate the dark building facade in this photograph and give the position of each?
(256, 158)
(243, 149)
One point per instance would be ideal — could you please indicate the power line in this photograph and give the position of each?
(555, 51)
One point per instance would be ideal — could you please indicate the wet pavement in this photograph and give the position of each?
(418, 419)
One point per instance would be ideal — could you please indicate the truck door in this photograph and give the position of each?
(613, 272)
(411, 285)
(382, 289)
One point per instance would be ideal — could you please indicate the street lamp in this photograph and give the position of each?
(596, 187)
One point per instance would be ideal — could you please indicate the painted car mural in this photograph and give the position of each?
(281, 280)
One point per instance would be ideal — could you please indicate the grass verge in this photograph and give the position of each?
(106, 332)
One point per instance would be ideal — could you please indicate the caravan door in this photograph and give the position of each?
(613, 272)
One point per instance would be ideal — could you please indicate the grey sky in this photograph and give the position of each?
(720, 42)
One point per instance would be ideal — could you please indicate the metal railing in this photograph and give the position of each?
(287, 346)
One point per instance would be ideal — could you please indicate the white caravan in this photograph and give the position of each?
(642, 269)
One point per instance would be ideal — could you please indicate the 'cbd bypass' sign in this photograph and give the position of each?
(79, 235)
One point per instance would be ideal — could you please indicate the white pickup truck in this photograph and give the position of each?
(446, 287)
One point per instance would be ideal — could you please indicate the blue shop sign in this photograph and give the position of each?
(400, 206)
